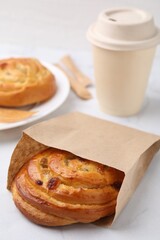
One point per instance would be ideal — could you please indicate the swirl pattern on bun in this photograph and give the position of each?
(24, 81)
(58, 188)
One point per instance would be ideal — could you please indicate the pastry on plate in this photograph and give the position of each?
(8, 115)
(24, 81)
(57, 188)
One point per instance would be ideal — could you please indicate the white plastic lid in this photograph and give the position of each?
(124, 29)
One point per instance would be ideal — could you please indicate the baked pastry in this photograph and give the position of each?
(24, 81)
(10, 115)
(58, 188)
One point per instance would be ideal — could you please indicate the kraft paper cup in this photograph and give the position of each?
(124, 42)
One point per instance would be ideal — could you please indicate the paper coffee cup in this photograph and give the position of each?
(124, 42)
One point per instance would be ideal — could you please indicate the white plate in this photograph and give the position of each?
(49, 106)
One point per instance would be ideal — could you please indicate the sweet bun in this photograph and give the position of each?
(58, 188)
(24, 81)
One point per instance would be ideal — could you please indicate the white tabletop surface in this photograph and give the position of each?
(27, 30)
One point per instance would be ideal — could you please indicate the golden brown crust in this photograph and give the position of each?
(59, 184)
(24, 81)
(35, 215)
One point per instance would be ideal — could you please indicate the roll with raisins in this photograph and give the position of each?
(57, 188)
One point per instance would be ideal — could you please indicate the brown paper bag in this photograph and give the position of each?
(123, 148)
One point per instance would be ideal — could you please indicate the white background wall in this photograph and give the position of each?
(57, 23)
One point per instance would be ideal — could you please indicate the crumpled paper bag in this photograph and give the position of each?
(123, 148)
